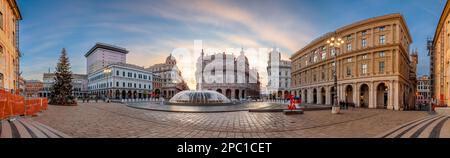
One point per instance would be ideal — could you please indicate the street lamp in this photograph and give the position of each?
(107, 71)
(335, 43)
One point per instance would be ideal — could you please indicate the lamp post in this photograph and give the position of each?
(107, 71)
(335, 43)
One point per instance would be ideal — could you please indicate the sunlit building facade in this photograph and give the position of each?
(374, 66)
(440, 60)
(229, 75)
(9, 45)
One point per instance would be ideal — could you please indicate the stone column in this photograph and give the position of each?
(327, 96)
(396, 96)
(310, 96)
(319, 96)
(372, 96)
(233, 93)
(391, 96)
(355, 94)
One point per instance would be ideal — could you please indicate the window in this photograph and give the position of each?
(349, 37)
(135, 85)
(349, 60)
(349, 47)
(364, 33)
(324, 55)
(123, 84)
(123, 74)
(117, 73)
(1, 20)
(323, 75)
(315, 58)
(365, 56)
(381, 67)
(145, 86)
(364, 68)
(382, 39)
(381, 28)
(349, 71)
(364, 43)
(117, 84)
(333, 52)
(381, 54)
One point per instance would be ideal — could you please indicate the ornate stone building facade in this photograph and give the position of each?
(423, 90)
(33, 88)
(440, 60)
(279, 72)
(109, 74)
(228, 75)
(374, 66)
(170, 76)
(9, 45)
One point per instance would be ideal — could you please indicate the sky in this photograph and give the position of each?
(152, 29)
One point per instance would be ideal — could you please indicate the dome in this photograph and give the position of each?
(199, 97)
(171, 60)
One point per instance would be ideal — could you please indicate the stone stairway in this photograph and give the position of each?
(433, 126)
(26, 128)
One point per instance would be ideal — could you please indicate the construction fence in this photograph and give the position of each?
(13, 105)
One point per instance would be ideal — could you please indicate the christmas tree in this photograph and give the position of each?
(61, 91)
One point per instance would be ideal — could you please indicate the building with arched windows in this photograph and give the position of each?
(110, 76)
(9, 45)
(228, 75)
(170, 78)
(279, 72)
(374, 66)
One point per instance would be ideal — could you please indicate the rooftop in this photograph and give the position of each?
(108, 47)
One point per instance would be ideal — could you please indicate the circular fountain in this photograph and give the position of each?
(199, 98)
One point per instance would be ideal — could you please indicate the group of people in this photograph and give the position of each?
(88, 98)
(344, 105)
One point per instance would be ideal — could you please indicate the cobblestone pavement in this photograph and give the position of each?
(119, 121)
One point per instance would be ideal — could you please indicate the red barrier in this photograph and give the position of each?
(3, 102)
(44, 103)
(16, 105)
(18, 108)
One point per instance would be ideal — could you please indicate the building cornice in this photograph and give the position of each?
(441, 23)
(15, 9)
(339, 31)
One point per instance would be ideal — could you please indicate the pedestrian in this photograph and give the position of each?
(84, 99)
(96, 99)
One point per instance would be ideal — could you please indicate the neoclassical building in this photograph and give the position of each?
(374, 66)
(170, 76)
(279, 72)
(9, 45)
(79, 85)
(109, 74)
(228, 75)
(438, 48)
(423, 90)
